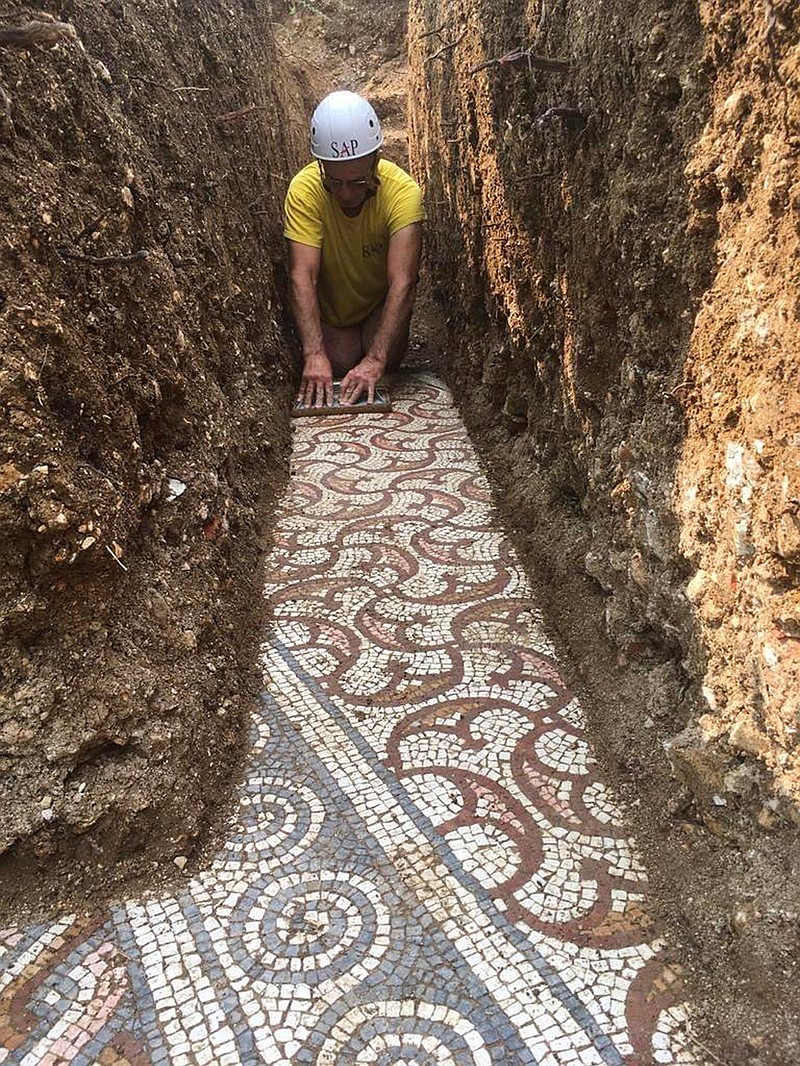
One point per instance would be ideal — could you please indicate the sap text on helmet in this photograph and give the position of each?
(348, 150)
(344, 127)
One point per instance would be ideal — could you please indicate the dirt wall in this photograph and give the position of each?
(144, 378)
(613, 192)
(627, 226)
(737, 492)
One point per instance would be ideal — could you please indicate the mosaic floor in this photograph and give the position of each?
(423, 868)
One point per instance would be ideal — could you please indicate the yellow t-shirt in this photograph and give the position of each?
(352, 278)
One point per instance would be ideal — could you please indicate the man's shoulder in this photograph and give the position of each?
(394, 174)
(400, 197)
(306, 180)
(303, 207)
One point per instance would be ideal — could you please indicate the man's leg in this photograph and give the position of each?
(343, 346)
(347, 345)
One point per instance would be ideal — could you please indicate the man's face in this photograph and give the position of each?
(350, 182)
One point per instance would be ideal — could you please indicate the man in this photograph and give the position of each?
(353, 222)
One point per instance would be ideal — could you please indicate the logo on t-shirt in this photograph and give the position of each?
(368, 250)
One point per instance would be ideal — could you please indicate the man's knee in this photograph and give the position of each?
(341, 362)
(342, 346)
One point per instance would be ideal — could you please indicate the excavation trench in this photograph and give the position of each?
(610, 288)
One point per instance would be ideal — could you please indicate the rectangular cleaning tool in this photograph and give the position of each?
(380, 403)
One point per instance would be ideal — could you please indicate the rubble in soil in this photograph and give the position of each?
(145, 386)
(612, 245)
(613, 194)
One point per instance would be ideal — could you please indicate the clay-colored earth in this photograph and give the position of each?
(611, 286)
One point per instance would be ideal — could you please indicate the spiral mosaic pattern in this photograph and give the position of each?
(422, 865)
(317, 928)
(277, 822)
(405, 1032)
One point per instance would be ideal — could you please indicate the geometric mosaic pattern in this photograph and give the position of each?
(424, 866)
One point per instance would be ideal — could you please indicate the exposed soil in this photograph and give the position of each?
(614, 240)
(614, 250)
(144, 432)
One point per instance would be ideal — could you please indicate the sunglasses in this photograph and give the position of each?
(335, 184)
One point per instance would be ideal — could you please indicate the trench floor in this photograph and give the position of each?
(424, 865)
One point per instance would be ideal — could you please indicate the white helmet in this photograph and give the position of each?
(344, 126)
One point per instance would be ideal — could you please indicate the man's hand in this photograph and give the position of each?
(362, 378)
(316, 387)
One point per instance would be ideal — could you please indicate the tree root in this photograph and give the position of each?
(446, 48)
(571, 116)
(7, 130)
(171, 88)
(101, 260)
(527, 57)
(35, 33)
(233, 116)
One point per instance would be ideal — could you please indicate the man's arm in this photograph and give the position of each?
(316, 386)
(402, 269)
